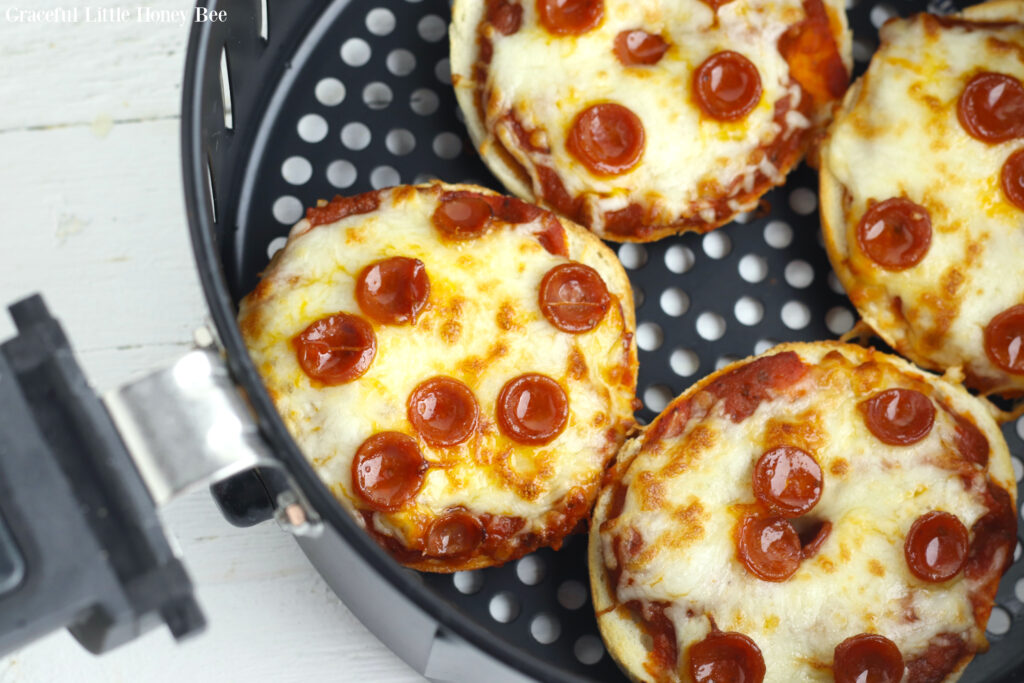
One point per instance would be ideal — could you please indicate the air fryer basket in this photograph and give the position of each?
(287, 102)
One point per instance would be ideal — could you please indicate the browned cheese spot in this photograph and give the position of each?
(507, 317)
(650, 490)
(803, 431)
(875, 567)
(839, 467)
(577, 364)
(697, 440)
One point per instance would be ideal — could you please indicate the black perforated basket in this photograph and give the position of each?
(290, 101)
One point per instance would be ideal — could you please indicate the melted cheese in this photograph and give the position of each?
(483, 326)
(688, 159)
(857, 582)
(899, 135)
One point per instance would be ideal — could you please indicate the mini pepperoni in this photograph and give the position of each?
(867, 658)
(787, 480)
(443, 411)
(970, 441)
(462, 216)
(637, 47)
(607, 138)
(506, 17)
(899, 417)
(769, 547)
(573, 297)
(456, 534)
(936, 547)
(727, 86)
(895, 233)
(726, 657)
(336, 349)
(1012, 179)
(393, 290)
(991, 107)
(1004, 339)
(388, 470)
(532, 409)
(570, 17)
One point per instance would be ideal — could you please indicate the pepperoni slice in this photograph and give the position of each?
(388, 470)
(607, 138)
(1004, 339)
(336, 349)
(342, 207)
(570, 17)
(1012, 179)
(443, 411)
(573, 297)
(898, 417)
(895, 233)
(462, 216)
(726, 657)
(532, 409)
(638, 47)
(867, 658)
(393, 290)
(727, 86)
(506, 17)
(970, 441)
(936, 547)
(769, 547)
(456, 534)
(788, 481)
(744, 388)
(991, 107)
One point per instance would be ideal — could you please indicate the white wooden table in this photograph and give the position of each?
(91, 215)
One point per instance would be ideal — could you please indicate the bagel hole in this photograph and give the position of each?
(812, 531)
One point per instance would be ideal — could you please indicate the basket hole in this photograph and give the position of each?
(795, 315)
(763, 345)
(588, 649)
(468, 583)
(447, 145)
(710, 326)
(210, 189)
(400, 62)
(287, 210)
(717, 244)
(834, 284)
(1018, 468)
(504, 607)
(778, 234)
(572, 595)
(674, 302)
(400, 141)
(638, 297)
(225, 90)
(753, 268)
(632, 256)
(355, 136)
(545, 628)
(264, 19)
(1018, 589)
(1017, 552)
(724, 361)
(355, 52)
(384, 176)
(839, 320)
(424, 101)
(380, 21)
(296, 170)
(341, 173)
(330, 92)
(684, 362)
(443, 71)
(530, 570)
(882, 13)
(656, 397)
(312, 128)
(803, 201)
(863, 49)
(999, 621)
(276, 245)
(432, 28)
(678, 258)
(377, 95)
(799, 274)
(649, 336)
(748, 310)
